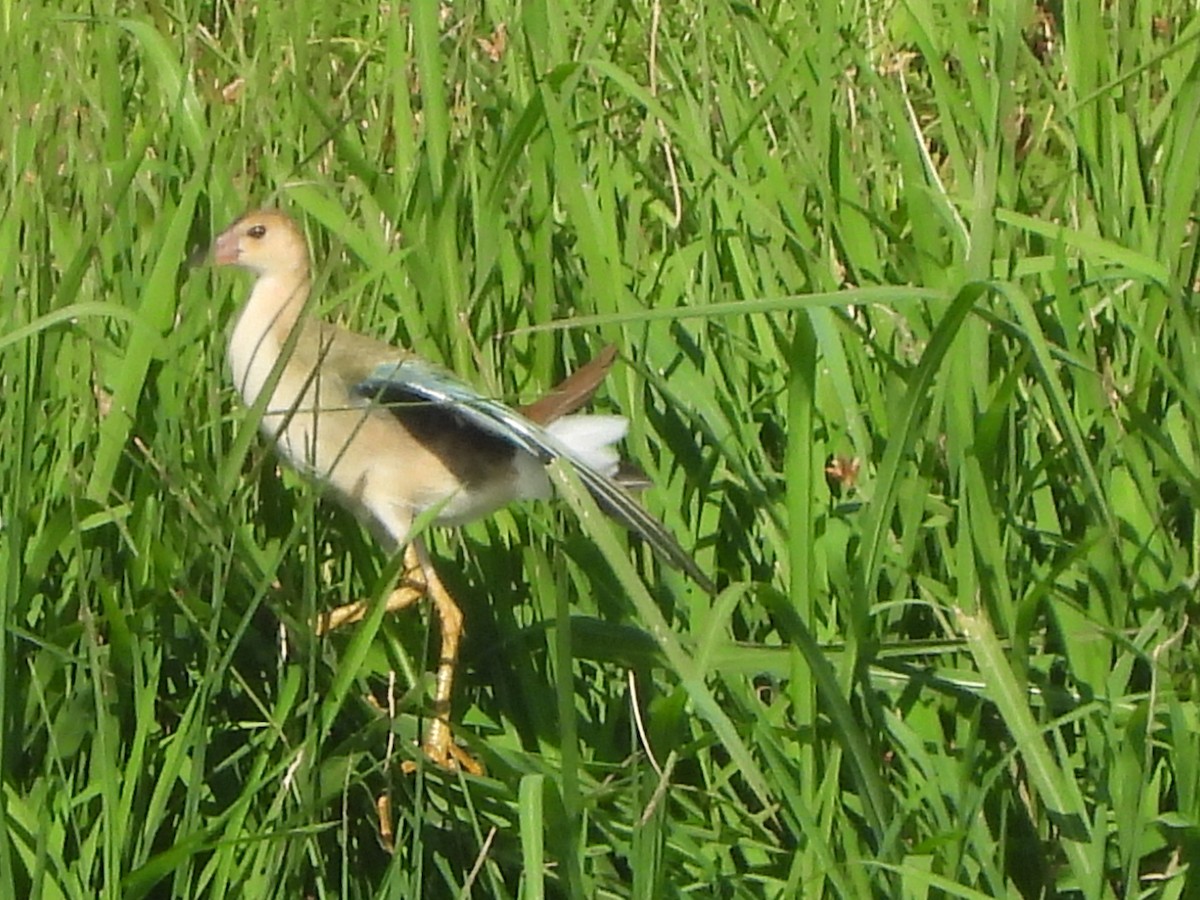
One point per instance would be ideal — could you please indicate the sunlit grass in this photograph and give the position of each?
(904, 297)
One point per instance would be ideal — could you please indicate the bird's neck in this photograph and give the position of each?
(278, 300)
(275, 307)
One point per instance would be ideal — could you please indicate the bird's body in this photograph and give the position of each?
(388, 453)
(387, 464)
(395, 437)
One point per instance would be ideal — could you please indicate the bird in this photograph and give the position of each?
(395, 438)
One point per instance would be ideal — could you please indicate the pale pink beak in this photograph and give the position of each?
(225, 250)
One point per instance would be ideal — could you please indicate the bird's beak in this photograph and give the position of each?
(225, 249)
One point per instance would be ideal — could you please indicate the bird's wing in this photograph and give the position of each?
(416, 378)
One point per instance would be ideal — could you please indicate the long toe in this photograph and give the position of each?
(446, 755)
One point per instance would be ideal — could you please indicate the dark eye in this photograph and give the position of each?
(257, 231)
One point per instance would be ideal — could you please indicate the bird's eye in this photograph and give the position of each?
(257, 231)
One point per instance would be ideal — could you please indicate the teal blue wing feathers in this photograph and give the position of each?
(414, 380)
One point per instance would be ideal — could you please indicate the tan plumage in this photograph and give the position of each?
(394, 437)
(386, 464)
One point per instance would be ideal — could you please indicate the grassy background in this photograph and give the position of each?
(950, 248)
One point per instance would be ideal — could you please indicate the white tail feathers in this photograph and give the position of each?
(584, 438)
(589, 439)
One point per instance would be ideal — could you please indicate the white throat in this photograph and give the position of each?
(261, 330)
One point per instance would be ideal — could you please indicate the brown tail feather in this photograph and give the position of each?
(573, 391)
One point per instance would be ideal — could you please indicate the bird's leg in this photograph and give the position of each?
(410, 590)
(420, 579)
(439, 745)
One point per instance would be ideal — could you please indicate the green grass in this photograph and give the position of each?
(941, 241)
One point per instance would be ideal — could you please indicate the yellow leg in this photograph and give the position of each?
(421, 579)
(411, 589)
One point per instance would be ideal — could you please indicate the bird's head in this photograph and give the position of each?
(266, 242)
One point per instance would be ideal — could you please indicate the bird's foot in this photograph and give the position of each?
(342, 615)
(446, 755)
(408, 593)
